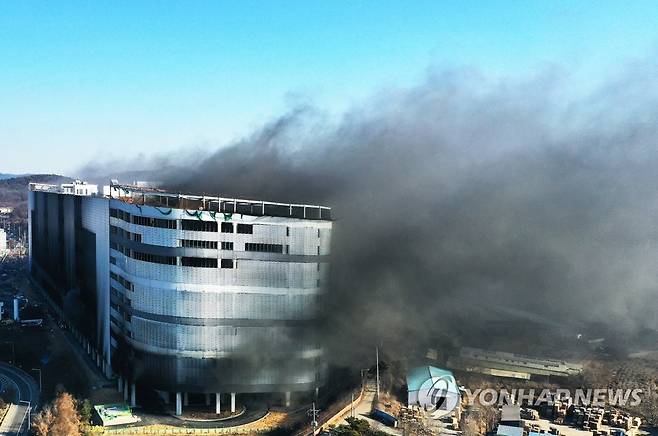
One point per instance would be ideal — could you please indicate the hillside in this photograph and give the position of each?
(4, 176)
(13, 191)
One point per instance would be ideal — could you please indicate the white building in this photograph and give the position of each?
(79, 188)
(3, 241)
(187, 294)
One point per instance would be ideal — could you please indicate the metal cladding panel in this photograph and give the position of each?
(30, 210)
(247, 328)
(238, 374)
(234, 305)
(305, 240)
(52, 224)
(69, 236)
(221, 341)
(95, 218)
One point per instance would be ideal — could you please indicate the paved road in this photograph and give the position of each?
(362, 410)
(15, 422)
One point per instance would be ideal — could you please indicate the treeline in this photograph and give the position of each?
(13, 192)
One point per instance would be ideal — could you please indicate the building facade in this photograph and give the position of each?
(3, 241)
(187, 294)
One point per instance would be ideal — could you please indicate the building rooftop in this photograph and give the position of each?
(149, 196)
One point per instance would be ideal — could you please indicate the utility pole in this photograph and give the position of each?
(352, 406)
(313, 413)
(377, 357)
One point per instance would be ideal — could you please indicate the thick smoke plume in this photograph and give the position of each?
(465, 200)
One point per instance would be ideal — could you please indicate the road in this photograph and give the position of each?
(363, 408)
(27, 391)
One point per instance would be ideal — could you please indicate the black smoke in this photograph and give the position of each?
(465, 199)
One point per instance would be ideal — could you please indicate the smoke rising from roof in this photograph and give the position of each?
(465, 196)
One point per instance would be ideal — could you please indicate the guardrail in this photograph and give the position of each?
(338, 417)
(25, 415)
(2, 418)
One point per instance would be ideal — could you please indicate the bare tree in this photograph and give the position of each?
(59, 419)
(43, 421)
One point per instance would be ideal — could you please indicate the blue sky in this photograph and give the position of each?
(86, 80)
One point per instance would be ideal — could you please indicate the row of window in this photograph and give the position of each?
(153, 258)
(120, 214)
(204, 262)
(212, 226)
(114, 230)
(193, 225)
(123, 282)
(145, 257)
(142, 220)
(199, 262)
(211, 245)
(154, 222)
(126, 317)
(188, 243)
(199, 226)
(191, 243)
(264, 248)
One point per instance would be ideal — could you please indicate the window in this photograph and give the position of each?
(113, 260)
(125, 283)
(199, 226)
(227, 227)
(287, 249)
(227, 263)
(116, 322)
(114, 230)
(287, 231)
(246, 228)
(154, 222)
(199, 262)
(227, 245)
(318, 233)
(153, 258)
(264, 248)
(118, 213)
(189, 243)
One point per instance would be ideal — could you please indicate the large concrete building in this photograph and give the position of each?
(186, 294)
